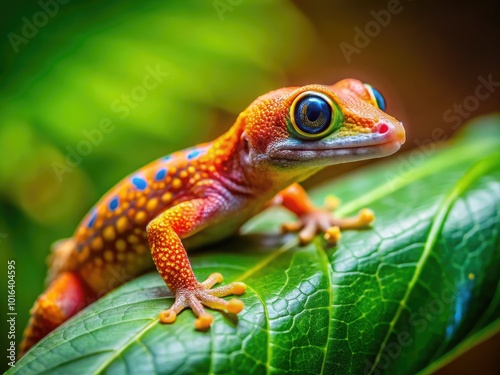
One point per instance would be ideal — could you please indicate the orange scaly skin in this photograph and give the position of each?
(207, 192)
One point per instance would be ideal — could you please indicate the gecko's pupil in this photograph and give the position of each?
(313, 110)
(313, 114)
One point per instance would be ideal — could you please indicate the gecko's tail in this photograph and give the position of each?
(66, 295)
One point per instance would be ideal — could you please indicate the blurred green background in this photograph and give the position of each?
(167, 75)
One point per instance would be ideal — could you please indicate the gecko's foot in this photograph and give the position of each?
(195, 298)
(322, 221)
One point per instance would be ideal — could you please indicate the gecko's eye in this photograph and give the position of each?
(311, 114)
(376, 97)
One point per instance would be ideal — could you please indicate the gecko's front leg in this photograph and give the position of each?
(164, 235)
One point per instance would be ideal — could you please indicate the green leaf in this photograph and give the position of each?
(403, 296)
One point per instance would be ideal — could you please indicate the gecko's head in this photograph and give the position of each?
(298, 129)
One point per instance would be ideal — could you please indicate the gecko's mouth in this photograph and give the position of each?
(337, 150)
(334, 155)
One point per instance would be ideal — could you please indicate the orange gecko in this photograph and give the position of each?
(205, 193)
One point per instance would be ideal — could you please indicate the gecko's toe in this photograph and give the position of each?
(332, 235)
(235, 306)
(203, 322)
(168, 316)
(214, 278)
(366, 216)
(331, 202)
(291, 227)
(238, 288)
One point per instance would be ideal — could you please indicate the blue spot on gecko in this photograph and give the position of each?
(113, 204)
(167, 157)
(193, 154)
(92, 220)
(160, 175)
(140, 183)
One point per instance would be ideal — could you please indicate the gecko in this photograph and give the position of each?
(206, 193)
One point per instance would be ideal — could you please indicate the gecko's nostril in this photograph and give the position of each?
(384, 128)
